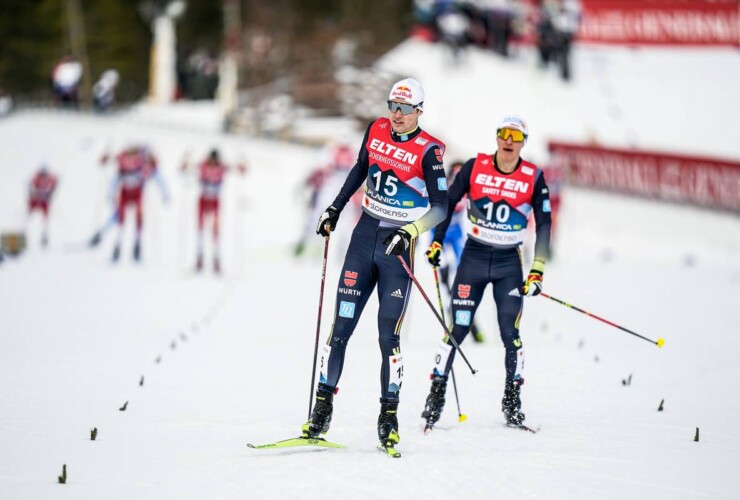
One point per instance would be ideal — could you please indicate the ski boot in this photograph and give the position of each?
(435, 401)
(116, 253)
(321, 413)
(199, 263)
(388, 423)
(511, 405)
(137, 250)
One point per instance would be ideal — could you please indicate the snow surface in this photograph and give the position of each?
(226, 361)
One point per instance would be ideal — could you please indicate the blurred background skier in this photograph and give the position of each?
(452, 247)
(211, 172)
(335, 161)
(40, 190)
(136, 165)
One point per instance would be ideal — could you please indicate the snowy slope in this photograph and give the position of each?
(664, 99)
(226, 361)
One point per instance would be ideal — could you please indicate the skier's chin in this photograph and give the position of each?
(398, 128)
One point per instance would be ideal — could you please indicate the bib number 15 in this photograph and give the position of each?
(389, 187)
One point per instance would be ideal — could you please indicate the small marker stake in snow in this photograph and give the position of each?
(141, 381)
(696, 436)
(63, 478)
(660, 407)
(123, 408)
(93, 434)
(627, 381)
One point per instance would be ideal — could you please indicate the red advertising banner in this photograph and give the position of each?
(700, 181)
(661, 22)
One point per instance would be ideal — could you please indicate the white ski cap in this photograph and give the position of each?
(408, 90)
(514, 121)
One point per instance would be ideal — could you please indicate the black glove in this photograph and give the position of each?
(397, 242)
(330, 218)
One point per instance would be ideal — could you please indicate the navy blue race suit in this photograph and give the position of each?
(405, 187)
(499, 205)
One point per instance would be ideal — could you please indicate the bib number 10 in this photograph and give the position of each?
(389, 187)
(502, 212)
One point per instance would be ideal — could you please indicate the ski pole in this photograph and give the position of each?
(318, 322)
(460, 416)
(436, 314)
(658, 342)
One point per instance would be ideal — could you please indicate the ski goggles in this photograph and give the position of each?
(516, 135)
(406, 109)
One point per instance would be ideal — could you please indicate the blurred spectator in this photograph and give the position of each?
(197, 76)
(65, 80)
(6, 103)
(485, 23)
(40, 191)
(453, 29)
(104, 91)
(559, 21)
(497, 16)
(424, 12)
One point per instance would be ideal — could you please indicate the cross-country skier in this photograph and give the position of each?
(136, 165)
(453, 246)
(502, 190)
(211, 175)
(40, 191)
(405, 195)
(337, 159)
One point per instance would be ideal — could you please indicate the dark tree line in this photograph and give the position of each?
(35, 34)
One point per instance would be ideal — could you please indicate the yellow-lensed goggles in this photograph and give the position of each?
(516, 135)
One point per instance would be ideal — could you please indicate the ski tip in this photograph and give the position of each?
(462, 418)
